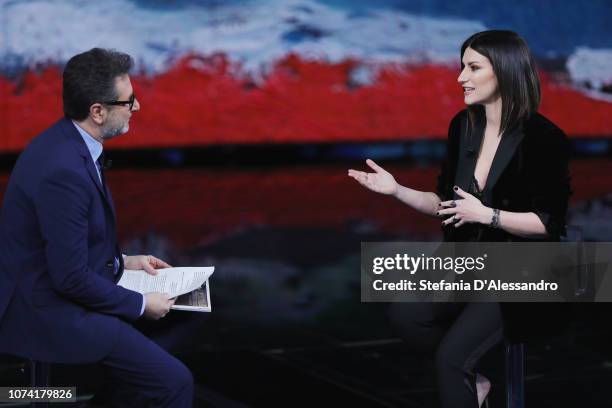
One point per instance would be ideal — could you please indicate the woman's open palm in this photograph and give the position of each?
(381, 181)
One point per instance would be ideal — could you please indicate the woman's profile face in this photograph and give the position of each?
(477, 79)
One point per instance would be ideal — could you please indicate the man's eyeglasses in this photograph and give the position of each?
(129, 102)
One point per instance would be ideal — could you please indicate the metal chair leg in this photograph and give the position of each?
(515, 375)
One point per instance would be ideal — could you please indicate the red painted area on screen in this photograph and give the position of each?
(204, 101)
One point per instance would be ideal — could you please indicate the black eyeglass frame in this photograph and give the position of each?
(129, 102)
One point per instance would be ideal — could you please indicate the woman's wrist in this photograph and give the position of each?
(487, 217)
(396, 193)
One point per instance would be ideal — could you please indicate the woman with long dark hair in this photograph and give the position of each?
(505, 178)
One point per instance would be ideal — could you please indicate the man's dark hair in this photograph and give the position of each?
(89, 77)
(516, 73)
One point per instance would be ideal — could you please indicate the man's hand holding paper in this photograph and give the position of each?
(147, 263)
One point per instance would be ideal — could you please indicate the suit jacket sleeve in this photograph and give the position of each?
(550, 180)
(62, 205)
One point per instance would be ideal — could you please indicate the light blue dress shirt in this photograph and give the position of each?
(95, 150)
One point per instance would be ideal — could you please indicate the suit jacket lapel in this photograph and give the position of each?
(468, 154)
(81, 148)
(93, 173)
(469, 145)
(109, 199)
(507, 146)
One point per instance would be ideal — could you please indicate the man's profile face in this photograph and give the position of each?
(118, 119)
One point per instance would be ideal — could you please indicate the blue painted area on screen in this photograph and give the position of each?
(552, 28)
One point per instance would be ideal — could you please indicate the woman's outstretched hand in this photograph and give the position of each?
(381, 181)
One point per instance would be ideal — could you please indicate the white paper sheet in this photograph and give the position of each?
(174, 281)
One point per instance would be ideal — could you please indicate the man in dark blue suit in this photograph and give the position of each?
(59, 258)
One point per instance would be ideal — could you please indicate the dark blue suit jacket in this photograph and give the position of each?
(58, 297)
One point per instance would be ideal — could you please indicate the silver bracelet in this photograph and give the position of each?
(495, 219)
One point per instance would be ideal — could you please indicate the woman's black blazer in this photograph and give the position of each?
(529, 173)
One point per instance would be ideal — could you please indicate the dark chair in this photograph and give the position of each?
(515, 352)
(39, 377)
(515, 375)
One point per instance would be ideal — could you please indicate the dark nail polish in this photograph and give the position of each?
(455, 188)
(438, 213)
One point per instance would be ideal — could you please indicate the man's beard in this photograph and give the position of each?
(114, 131)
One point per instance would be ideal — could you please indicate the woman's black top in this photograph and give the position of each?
(529, 173)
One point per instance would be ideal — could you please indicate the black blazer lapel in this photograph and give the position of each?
(469, 145)
(468, 154)
(505, 151)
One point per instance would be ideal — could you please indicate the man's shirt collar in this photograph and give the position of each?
(95, 147)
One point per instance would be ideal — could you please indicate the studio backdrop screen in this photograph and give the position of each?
(247, 72)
